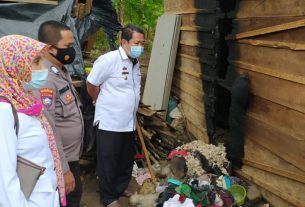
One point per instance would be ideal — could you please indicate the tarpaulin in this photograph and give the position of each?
(25, 19)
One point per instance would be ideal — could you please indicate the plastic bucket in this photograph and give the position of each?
(239, 194)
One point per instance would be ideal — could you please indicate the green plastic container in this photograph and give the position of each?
(239, 193)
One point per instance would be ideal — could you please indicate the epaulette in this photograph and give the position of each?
(54, 70)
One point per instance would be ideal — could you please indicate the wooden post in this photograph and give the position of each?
(121, 12)
(139, 131)
(88, 6)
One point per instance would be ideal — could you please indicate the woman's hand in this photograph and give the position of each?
(69, 182)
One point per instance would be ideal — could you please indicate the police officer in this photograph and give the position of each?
(114, 84)
(60, 99)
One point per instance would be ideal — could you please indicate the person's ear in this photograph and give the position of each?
(51, 49)
(124, 42)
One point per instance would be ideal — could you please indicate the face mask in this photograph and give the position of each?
(136, 51)
(39, 78)
(65, 55)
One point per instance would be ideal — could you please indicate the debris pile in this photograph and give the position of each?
(194, 174)
(160, 137)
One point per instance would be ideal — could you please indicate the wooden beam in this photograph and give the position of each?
(280, 62)
(193, 115)
(278, 142)
(267, 30)
(192, 43)
(186, 5)
(253, 23)
(273, 199)
(260, 157)
(204, 39)
(278, 116)
(189, 72)
(192, 11)
(275, 171)
(273, 44)
(269, 72)
(278, 8)
(292, 36)
(195, 28)
(198, 54)
(289, 190)
(186, 97)
(88, 6)
(183, 81)
(189, 66)
(200, 19)
(282, 92)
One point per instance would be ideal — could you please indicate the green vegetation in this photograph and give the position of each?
(143, 13)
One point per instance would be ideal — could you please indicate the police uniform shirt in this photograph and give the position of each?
(60, 98)
(119, 80)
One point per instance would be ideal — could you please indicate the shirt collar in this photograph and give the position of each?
(125, 57)
(123, 53)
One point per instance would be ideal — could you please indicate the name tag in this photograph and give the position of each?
(64, 89)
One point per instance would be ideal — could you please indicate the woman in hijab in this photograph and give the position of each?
(21, 71)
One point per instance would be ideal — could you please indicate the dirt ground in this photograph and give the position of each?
(91, 196)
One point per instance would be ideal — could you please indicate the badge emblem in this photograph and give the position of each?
(46, 96)
(68, 98)
(125, 73)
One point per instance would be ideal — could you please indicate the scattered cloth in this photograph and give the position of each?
(174, 202)
(141, 178)
(169, 192)
(184, 189)
(147, 200)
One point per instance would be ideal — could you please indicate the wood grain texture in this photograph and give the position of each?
(261, 158)
(289, 190)
(278, 116)
(283, 92)
(267, 30)
(185, 5)
(254, 23)
(278, 142)
(269, 8)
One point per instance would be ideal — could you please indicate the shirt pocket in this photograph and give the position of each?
(119, 79)
(67, 101)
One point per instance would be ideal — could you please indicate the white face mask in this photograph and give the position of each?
(38, 80)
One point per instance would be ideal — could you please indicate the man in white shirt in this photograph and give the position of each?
(114, 85)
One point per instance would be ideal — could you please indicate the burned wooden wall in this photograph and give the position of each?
(268, 43)
(200, 54)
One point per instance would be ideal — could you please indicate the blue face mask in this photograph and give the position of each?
(136, 51)
(39, 78)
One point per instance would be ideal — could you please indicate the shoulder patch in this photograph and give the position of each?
(46, 96)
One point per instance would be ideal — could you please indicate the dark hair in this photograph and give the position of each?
(128, 31)
(49, 32)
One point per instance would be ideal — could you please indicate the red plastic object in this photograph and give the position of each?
(173, 153)
(139, 156)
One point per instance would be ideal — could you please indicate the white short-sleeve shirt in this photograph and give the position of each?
(32, 144)
(119, 80)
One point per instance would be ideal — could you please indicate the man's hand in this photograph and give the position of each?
(69, 182)
(93, 91)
